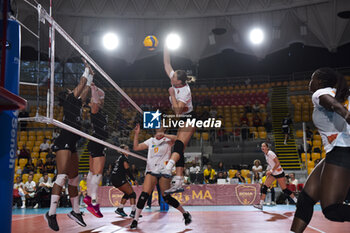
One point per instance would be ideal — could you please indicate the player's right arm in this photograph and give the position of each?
(137, 146)
(166, 60)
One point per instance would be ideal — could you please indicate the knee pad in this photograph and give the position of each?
(133, 195)
(179, 148)
(305, 207)
(74, 181)
(287, 192)
(171, 201)
(142, 200)
(264, 189)
(61, 179)
(337, 212)
(126, 196)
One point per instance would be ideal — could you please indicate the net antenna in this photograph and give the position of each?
(49, 119)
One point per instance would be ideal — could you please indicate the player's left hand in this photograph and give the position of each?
(268, 173)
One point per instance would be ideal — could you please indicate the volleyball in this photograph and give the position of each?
(150, 42)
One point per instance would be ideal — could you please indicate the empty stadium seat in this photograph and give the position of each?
(23, 138)
(315, 156)
(22, 162)
(299, 133)
(205, 136)
(36, 149)
(24, 178)
(303, 156)
(37, 177)
(317, 143)
(262, 135)
(39, 133)
(43, 155)
(35, 155)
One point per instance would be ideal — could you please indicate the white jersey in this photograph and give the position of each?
(30, 186)
(333, 128)
(159, 152)
(16, 186)
(183, 94)
(270, 156)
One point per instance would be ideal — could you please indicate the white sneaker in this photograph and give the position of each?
(36, 206)
(23, 206)
(148, 207)
(176, 185)
(258, 206)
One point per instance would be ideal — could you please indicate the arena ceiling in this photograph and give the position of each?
(311, 22)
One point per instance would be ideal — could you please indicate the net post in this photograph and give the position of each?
(304, 141)
(52, 69)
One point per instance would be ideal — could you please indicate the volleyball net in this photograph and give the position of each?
(45, 82)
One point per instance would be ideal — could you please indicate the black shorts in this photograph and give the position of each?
(158, 175)
(96, 149)
(118, 181)
(279, 175)
(285, 130)
(66, 141)
(339, 156)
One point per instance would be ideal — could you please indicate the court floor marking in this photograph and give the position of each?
(26, 217)
(313, 228)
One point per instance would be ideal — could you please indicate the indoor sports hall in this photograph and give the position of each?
(175, 116)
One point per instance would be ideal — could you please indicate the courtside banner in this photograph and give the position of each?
(202, 195)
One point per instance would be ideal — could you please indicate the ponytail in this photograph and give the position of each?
(182, 75)
(190, 79)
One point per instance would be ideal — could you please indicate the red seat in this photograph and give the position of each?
(300, 187)
(291, 187)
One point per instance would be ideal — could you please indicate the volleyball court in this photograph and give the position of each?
(123, 113)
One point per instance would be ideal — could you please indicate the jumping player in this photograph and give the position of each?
(275, 172)
(329, 181)
(120, 170)
(181, 101)
(97, 156)
(66, 153)
(159, 150)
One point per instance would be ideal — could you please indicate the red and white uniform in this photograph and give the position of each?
(159, 152)
(183, 94)
(333, 128)
(270, 156)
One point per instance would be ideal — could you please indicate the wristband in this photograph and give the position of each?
(86, 72)
(171, 75)
(89, 79)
